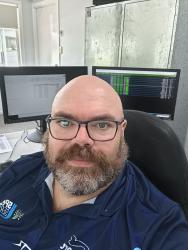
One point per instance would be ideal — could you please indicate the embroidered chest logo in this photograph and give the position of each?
(74, 243)
(8, 210)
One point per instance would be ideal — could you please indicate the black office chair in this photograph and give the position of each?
(156, 150)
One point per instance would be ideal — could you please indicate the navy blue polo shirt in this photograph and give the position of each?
(131, 214)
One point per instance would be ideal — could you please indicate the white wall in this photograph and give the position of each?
(180, 60)
(72, 25)
(1, 109)
(186, 144)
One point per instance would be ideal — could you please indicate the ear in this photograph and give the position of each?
(124, 124)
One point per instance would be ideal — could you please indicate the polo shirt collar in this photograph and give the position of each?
(106, 204)
(49, 181)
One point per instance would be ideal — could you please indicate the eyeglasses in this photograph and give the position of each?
(62, 128)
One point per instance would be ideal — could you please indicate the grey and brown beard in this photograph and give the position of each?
(85, 180)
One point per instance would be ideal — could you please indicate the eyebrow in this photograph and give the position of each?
(94, 118)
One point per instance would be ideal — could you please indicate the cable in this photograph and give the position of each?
(16, 145)
(25, 139)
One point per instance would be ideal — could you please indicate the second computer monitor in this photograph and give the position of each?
(145, 89)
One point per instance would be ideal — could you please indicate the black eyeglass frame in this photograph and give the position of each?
(50, 118)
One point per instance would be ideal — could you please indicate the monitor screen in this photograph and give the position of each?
(145, 89)
(28, 92)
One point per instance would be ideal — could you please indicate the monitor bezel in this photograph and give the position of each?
(94, 68)
(70, 71)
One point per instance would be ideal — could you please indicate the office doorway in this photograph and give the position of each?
(46, 32)
(9, 35)
(9, 47)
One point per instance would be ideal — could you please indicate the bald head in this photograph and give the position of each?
(86, 96)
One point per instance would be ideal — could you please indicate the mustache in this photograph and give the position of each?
(81, 152)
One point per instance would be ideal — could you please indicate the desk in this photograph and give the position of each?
(20, 147)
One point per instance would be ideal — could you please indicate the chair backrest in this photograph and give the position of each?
(156, 150)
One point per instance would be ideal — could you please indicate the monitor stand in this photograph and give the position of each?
(37, 135)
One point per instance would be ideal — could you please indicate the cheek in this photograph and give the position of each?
(115, 147)
(110, 148)
(56, 146)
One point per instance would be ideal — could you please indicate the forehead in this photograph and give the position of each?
(87, 104)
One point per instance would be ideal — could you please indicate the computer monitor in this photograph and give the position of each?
(28, 92)
(145, 89)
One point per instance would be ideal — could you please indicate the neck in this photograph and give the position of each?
(63, 199)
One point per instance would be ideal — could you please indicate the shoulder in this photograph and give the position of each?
(162, 218)
(146, 192)
(28, 166)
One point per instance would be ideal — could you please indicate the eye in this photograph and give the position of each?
(103, 125)
(64, 123)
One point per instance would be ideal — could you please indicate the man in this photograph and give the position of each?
(83, 193)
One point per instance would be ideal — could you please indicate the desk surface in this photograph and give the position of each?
(20, 146)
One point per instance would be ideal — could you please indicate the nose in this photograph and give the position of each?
(82, 138)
